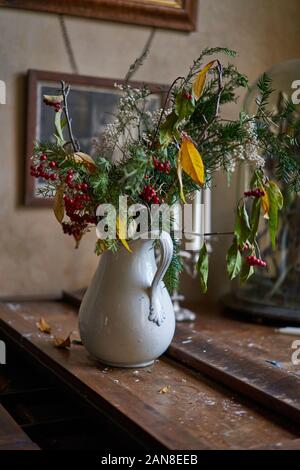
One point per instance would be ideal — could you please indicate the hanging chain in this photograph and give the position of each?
(68, 44)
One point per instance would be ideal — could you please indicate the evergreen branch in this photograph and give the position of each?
(207, 52)
(171, 278)
(217, 105)
(264, 86)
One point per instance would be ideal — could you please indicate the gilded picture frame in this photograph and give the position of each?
(171, 14)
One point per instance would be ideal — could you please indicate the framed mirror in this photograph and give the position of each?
(92, 104)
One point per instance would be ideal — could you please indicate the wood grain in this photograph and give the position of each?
(254, 360)
(195, 413)
(261, 381)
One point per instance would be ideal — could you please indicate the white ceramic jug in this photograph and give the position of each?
(126, 318)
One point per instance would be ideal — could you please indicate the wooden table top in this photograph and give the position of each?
(228, 384)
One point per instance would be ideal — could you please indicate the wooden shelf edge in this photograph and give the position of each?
(273, 388)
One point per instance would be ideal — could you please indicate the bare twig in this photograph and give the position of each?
(65, 91)
(220, 87)
(280, 280)
(164, 109)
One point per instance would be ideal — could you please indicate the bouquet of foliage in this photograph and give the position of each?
(168, 154)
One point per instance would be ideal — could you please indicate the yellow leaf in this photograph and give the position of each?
(59, 207)
(43, 326)
(265, 204)
(62, 343)
(165, 389)
(80, 157)
(200, 80)
(179, 174)
(121, 232)
(190, 161)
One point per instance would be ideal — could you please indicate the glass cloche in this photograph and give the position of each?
(274, 293)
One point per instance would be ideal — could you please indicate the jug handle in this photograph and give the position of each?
(157, 314)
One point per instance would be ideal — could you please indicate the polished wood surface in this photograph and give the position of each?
(196, 412)
(252, 359)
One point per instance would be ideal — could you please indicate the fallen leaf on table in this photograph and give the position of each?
(43, 326)
(165, 389)
(62, 343)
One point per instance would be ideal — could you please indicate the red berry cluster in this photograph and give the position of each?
(69, 180)
(254, 261)
(251, 260)
(149, 194)
(76, 204)
(254, 193)
(44, 169)
(246, 247)
(74, 229)
(78, 208)
(162, 167)
(79, 201)
(187, 95)
(55, 104)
